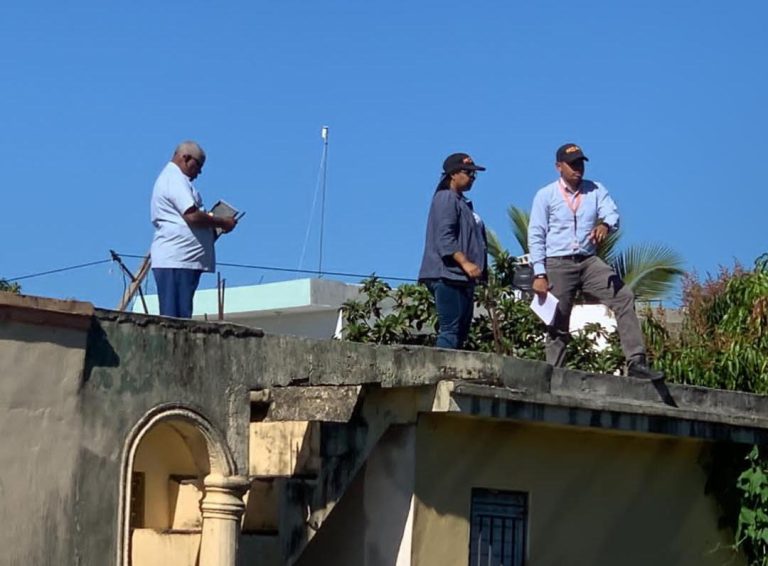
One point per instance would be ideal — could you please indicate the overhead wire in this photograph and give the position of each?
(58, 270)
(221, 263)
(315, 272)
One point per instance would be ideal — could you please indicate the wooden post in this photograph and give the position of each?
(135, 286)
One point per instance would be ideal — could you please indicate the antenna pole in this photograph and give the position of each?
(324, 135)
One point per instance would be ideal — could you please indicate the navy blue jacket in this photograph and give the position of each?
(452, 227)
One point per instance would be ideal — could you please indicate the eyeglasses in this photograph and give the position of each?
(197, 160)
(470, 173)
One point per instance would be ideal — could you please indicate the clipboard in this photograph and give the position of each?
(223, 209)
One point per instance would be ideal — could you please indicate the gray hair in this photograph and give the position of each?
(191, 148)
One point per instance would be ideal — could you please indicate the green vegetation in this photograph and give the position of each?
(723, 342)
(9, 287)
(503, 324)
(752, 527)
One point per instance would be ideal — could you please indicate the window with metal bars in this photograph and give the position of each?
(498, 528)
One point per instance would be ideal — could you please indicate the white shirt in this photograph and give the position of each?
(176, 244)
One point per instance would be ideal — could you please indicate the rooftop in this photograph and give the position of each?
(479, 384)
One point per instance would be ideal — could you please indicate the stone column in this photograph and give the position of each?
(222, 508)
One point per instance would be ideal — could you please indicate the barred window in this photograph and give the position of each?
(498, 528)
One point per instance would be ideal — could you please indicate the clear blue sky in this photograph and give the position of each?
(667, 98)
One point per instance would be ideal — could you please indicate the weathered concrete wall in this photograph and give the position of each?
(371, 526)
(164, 452)
(69, 399)
(40, 439)
(130, 372)
(67, 409)
(152, 548)
(594, 498)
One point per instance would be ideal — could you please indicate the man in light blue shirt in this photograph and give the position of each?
(182, 247)
(569, 218)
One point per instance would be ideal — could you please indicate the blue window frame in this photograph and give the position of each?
(498, 528)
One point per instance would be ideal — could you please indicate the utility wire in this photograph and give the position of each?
(60, 270)
(238, 265)
(292, 270)
(314, 271)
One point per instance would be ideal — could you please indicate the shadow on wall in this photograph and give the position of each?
(99, 352)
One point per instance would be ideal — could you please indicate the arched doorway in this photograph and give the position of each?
(167, 457)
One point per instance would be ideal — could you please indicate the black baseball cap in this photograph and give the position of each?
(569, 153)
(460, 162)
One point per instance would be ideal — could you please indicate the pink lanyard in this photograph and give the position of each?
(572, 204)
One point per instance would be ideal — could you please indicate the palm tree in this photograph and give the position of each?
(650, 270)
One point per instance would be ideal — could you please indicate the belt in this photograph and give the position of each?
(575, 257)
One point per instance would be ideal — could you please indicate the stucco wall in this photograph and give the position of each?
(594, 498)
(130, 373)
(68, 411)
(69, 400)
(371, 526)
(152, 548)
(40, 433)
(164, 452)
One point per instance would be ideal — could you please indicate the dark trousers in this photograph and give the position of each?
(175, 290)
(596, 280)
(455, 305)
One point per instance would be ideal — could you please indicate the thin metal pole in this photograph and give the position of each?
(324, 134)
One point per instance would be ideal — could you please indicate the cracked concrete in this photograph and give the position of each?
(98, 372)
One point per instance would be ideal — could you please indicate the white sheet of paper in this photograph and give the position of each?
(545, 309)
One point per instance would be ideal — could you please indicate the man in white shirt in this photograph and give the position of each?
(182, 247)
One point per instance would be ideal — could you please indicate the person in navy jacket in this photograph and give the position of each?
(455, 251)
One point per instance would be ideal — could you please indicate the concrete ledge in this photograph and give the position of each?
(598, 412)
(275, 362)
(320, 403)
(716, 402)
(188, 325)
(301, 361)
(42, 311)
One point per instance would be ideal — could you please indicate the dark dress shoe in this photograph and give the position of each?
(641, 371)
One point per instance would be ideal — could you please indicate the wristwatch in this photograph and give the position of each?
(541, 276)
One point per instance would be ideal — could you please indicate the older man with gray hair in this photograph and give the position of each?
(183, 245)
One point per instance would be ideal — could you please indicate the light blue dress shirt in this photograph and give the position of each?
(554, 230)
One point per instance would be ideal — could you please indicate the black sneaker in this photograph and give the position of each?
(641, 371)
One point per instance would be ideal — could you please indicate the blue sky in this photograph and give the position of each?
(667, 99)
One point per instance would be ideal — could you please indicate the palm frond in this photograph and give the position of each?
(650, 270)
(495, 248)
(606, 250)
(519, 219)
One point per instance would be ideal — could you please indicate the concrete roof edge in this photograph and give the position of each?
(44, 311)
(616, 414)
(305, 362)
(194, 326)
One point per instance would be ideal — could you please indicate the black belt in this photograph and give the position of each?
(575, 257)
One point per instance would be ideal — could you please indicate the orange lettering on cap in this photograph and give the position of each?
(572, 149)
(467, 160)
